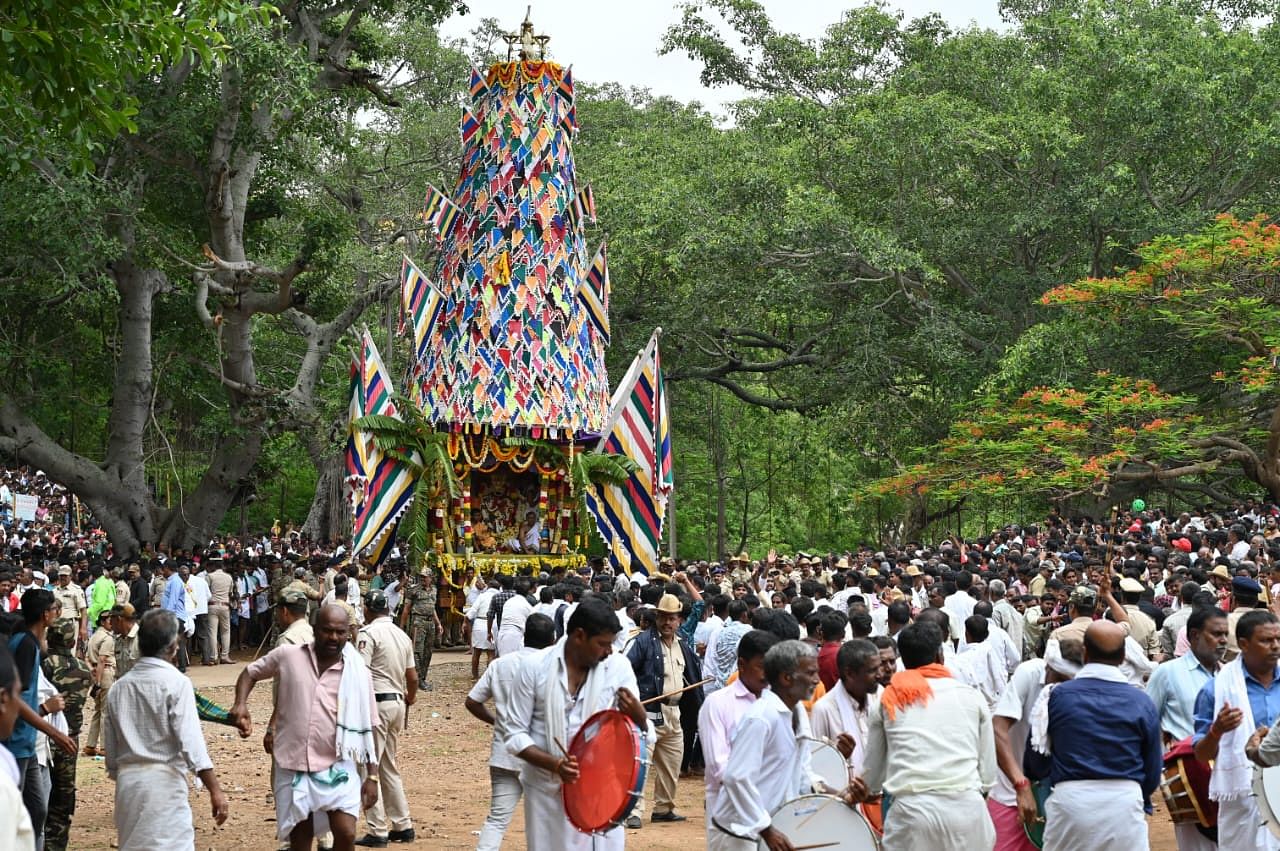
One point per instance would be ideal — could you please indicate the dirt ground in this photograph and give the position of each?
(443, 760)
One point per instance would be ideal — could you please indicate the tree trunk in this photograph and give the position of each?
(329, 517)
(720, 474)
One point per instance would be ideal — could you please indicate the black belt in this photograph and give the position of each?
(387, 695)
(721, 828)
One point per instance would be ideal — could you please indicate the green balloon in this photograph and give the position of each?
(1139, 505)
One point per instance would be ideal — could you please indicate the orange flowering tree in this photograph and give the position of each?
(1219, 286)
(1219, 289)
(1055, 442)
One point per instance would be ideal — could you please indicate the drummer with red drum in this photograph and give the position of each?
(558, 689)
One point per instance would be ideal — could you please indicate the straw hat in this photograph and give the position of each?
(670, 604)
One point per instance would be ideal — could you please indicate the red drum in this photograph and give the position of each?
(1185, 786)
(613, 757)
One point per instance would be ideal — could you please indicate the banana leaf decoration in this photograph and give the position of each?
(415, 442)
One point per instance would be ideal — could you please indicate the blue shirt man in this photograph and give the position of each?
(175, 596)
(1106, 752)
(1240, 825)
(1264, 702)
(1175, 686)
(1103, 728)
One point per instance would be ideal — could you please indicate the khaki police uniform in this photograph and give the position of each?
(73, 604)
(388, 652)
(101, 651)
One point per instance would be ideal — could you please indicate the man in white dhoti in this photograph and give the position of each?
(325, 715)
(930, 745)
(1229, 709)
(768, 764)
(153, 738)
(477, 616)
(504, 769)
(509, 634)
(1103, 735)
(558, 689)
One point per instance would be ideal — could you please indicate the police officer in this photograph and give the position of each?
(102, 664)
(124, 623)
(389, 654)
(74, 607)
(291, 616)
(72, 679)
(423, 623)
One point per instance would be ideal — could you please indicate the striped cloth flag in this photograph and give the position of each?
(584, 205)
(568, 103)
(593, 293)
(387, 483)
(630, 516)
(478, 86)
(468, 126)
(439, 211)
(421, 303)
(356, 455)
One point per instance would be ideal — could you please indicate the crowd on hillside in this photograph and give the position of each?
(927, 668)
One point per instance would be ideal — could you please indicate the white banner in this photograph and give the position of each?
(24, 506)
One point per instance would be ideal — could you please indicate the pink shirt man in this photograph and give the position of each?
(306, 707)
(717, 720)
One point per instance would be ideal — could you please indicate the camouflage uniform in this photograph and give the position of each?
(420, 598)
(279, 581)
(72, 679)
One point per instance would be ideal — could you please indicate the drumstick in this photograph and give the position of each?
(815, 845)
(677, 691)
(561, 746)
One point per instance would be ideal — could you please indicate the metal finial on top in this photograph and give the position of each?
(533, 48)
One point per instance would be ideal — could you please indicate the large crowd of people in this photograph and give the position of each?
(1022, 689)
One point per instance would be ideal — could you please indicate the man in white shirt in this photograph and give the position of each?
(768, 764)
(1003, 646)
(713, 623)
(198, 604)
(843, 715)
(1238, 542)
(515, 611)
(979, 662)
(477, 616)
(959, 604)
(1005, 615)
(1011, 802)
(504, 768)
(558, 689)
(153, 738)
(931, 746)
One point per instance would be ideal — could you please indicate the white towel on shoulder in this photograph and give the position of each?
(355, 710)
(1232, 771)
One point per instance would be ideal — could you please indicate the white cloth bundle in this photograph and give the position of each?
(1232, 771)
(355, 710)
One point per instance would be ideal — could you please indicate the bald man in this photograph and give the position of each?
(1105, 752)
(315, 782)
